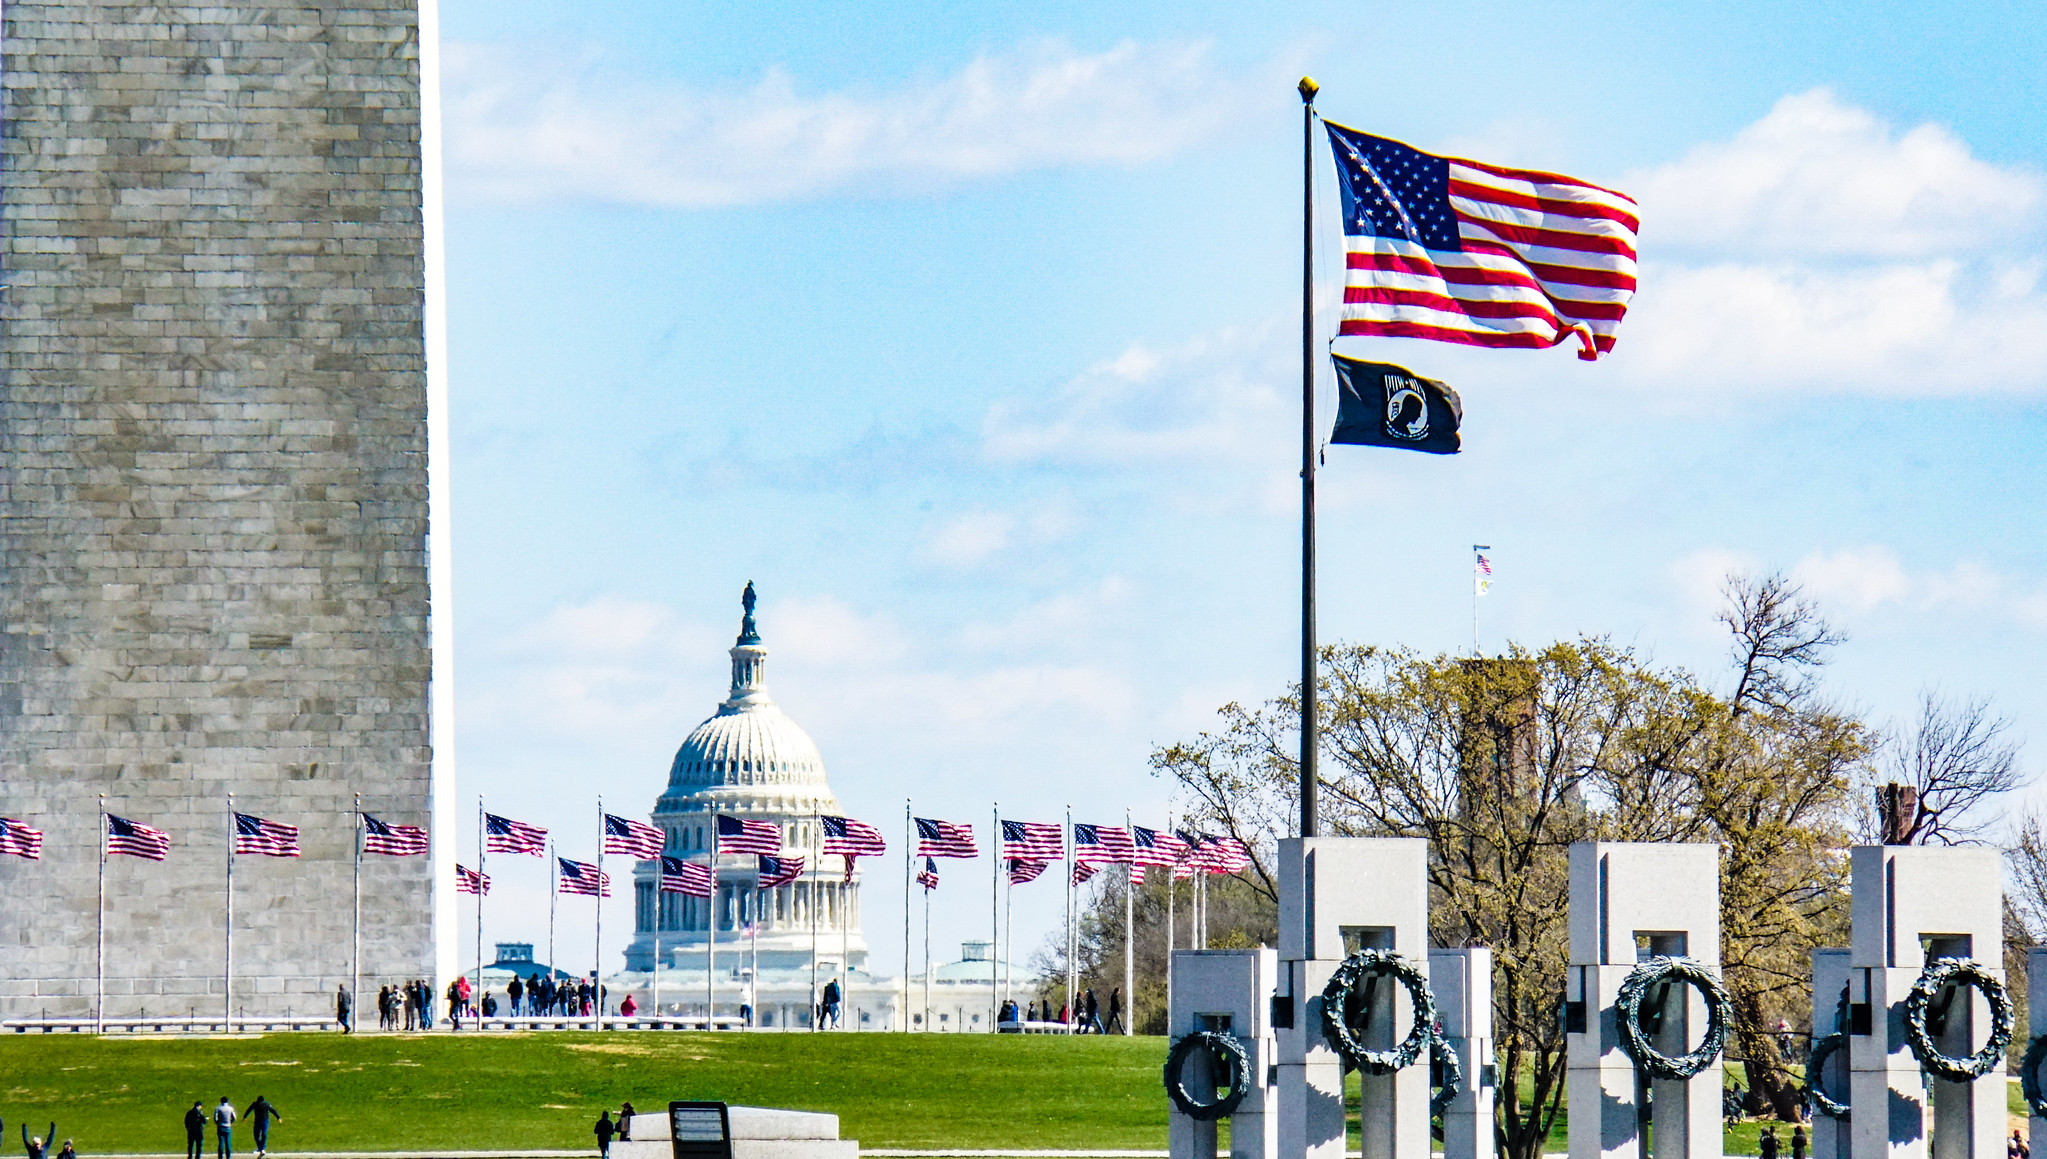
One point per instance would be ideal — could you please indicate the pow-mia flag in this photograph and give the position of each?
(1382, 405)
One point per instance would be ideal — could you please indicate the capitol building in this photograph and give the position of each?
(750, 761)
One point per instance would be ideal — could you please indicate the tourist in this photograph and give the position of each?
(411, 1006)
(515, 990)
(344, 1009)
(605, 1130)
(195, 1130)
(457, 997)
(628, 1007)
(259, 1115)
(1767, 1145)
(69, 1152)
(625, 1122)
(223, 1130)
(1115, 1011)
(832, 1000)
(35, 1146)
(1091, 1012)
(2016, 1148)
(1798, 1143)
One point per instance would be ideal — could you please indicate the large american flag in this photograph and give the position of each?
(1025, 871)
(468, 880)
(20, 840)
(1103, 844)
(740, 836)
(687, 877)
(504, 835)
(1032, 841)
(1482, 255)
(851, 840)
(774, 871)
(1190, 857)
(928, 876)
(584, 878)
(136, 840)
(1154, 847)
(394, 840)
(632, 838)
(945, 839)
(269, 838)
(1223, 854)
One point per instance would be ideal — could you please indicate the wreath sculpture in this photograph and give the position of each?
(2029, 1077)
(1824, 1047)
(1628, 1011)
(1957, 972)
(1444, 1055)
(1348, 981)
(1227, 1053)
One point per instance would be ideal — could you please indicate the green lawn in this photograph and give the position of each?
(448, 1092)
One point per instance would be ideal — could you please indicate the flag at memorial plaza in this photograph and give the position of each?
(133, 839)
(778, 870)
(20, 840)
(945, 839)
(1154, 847)
(632, 838)
(1021, 872)
(468, 880)
(1223, 854)
(685, 877)
(740, 836)
(1382, 405)
(851, 840)
(584, 878)
(392, 840)
(928, 876)
(1103, 844)
(267, 838)
(504, 835)
(1189, 862)
(1032, 841)
(1460, 251)
(1083, 870)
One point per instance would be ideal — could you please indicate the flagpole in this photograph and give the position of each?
(597, 945)
(711, 911)
(482, 842)
(1072, 967)
(909, 842)
(927, 958)
(753, 952)
(227, 980)
(355, 934)
(1476, 548)
(995, 918)
(1172, 893)
(659, 898)
(816, 860)
(1308, 89)
(553, 888)
(99, 969)
(846, 946)
(1008, 931)
(1130, 932)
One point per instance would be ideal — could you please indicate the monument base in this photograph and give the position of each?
(757, 1133)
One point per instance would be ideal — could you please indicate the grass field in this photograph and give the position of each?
(542, 1091)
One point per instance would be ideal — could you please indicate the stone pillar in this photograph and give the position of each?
(1463, 983)
(2036, 1016)
(1228, 992)
(1831, 1136)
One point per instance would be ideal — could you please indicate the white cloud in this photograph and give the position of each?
(1859, 578)
(1816, 176)
(542, 126)
(968, 540)
(1866, 578)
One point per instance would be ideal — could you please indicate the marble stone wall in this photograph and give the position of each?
(213, 492)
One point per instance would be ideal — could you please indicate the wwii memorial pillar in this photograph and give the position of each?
(220, 384)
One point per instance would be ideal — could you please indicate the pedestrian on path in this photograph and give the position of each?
(223, 1130)
(195, 1131)
(625, 1122)
(259, 1115)
(1115, 1011)
(605, 1129)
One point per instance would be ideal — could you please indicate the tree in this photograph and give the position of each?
(1957, 760)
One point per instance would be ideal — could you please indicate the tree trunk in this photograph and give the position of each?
(1769, 1082)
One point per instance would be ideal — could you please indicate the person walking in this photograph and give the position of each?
(224, 1129)
(1767, 1145)
(259, 1115)
(195, 1131)
(1091, 1013)
(605, 1129)
(832, 998)
(344, 1009)
(36, 1147)
(514, 990)
(1115, 1011)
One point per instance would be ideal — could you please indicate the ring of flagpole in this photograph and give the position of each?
(1958, 973)
(1225, 1053)
(1353, 979)
(1628, 1014)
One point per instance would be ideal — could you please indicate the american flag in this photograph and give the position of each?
(269, 838)
(851, 840)
(1082, 870)
(1223, 854)
(1032, 841)
(20, 840)
(679, 876)
(395, 840)
(136, 840)
(928, 876)
(1103, 843)
(1460, 251)
(584, 878)
(737, 836)
(1156, 846)
(1025, 871)
(468, 880)
(504, 835)
(632, 838)
(778, 870)
(1190, 857)
(1481, 571)
(945, 839)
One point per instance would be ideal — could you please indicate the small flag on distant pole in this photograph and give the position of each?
(685, 877)
(392, 840)
(928, 876)
(1481, 569)
(268, 838)
(504, 835)
(632, 838)
(20, 840)
(134, 839)
(468, 880)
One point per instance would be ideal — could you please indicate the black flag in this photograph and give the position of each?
(1382, 405)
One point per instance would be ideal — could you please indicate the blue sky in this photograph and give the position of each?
(970, 333)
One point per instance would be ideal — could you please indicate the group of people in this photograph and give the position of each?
(541, 996)
(413, 1001)
(260, 1114)
(608, 1128)
(39, 1146)
(828, 1004)
(1086, 1019)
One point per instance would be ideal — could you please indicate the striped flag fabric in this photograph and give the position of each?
(468, 880)
(1189, 861)
(392, 840)
(1032, 841)
(632, 838)
(504, 835)
(1082, 870)
(778, 870)
(1103, 844)
(1021, 872)
(851, 840)
(584, 878)
(1156, 846)
(1460, 251)
(134, 839)
(1223, 854)
(20, 840)
(267, 838)
(928, 876)
(945, 839)
(1481, 572)
(740, 836)
(685, 877)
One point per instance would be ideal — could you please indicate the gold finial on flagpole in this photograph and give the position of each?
(1308, 89)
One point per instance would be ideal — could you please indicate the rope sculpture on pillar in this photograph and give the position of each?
(1635, 1039)
(1958, 973)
